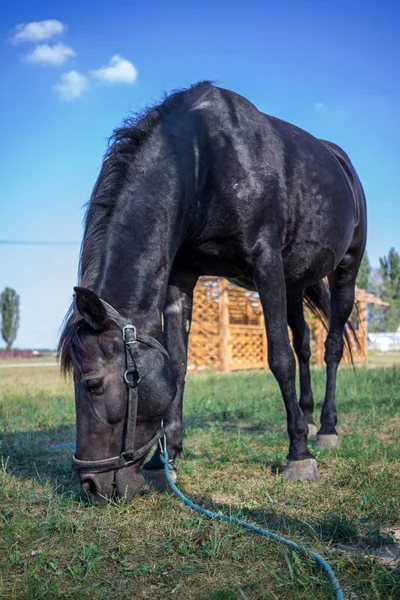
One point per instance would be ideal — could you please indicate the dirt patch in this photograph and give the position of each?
(388, 554)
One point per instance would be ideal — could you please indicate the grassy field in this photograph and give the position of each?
(47, 358)
(375, 359)
(52, 545)
(383, 359)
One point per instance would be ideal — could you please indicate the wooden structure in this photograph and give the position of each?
(228, 330)
(359, 320)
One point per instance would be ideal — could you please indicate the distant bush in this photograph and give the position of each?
(17, 354)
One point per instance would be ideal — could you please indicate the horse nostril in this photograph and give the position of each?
(97, 487)
(89, 486)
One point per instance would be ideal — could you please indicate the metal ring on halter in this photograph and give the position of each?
(131, 383)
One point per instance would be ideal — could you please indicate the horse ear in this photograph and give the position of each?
(91, 308)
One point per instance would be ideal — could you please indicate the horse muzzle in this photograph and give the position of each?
(101, 487)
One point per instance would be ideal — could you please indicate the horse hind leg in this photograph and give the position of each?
(301, 344)
(342, 288)
(270, 282)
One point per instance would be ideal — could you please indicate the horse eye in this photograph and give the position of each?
(94, 385)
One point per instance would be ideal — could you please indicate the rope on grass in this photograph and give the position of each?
(229, 519)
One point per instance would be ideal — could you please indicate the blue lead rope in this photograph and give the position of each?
(212, 515)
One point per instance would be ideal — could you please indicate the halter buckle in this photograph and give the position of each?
(124, 335)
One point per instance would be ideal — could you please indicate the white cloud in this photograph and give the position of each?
(50, 55)
(38, 31)
(71, 85)
(119, 70)
(319, 105)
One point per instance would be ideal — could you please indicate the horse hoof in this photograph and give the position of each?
(324, 440)
(300, 469)
(312, 430)
(155, 480)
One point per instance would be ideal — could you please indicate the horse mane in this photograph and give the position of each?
(70, 341)
(136, 129)
(123, 145)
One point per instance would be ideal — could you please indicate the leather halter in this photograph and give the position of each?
(132, 376)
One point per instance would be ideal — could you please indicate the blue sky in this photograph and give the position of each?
(329, 67)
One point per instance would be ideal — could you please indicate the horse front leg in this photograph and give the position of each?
(177, 321)
(270, 282)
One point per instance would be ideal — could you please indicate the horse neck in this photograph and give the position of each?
(135, 254)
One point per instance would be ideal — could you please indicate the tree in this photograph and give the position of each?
(385, 283)
(364, 273)
(376, 313)
(390, 273)
(9, 303)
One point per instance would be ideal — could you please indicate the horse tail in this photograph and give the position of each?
(318, 300)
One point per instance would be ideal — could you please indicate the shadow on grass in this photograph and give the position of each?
(333, 528)
(44, 455)
(226, 419)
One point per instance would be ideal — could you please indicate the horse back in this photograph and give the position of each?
(259, 180)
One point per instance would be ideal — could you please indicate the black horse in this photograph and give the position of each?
(204, 184)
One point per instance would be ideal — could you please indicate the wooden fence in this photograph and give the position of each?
(228, 330)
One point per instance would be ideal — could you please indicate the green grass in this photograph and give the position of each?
(383, 359)
(52, 545)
